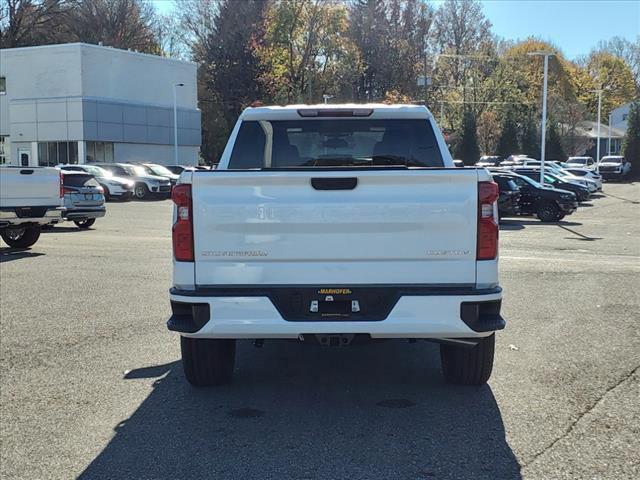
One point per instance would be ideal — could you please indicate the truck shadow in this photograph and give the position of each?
(10, 254)
(295, 411)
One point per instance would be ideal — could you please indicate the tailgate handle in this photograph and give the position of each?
(329, 183)
(26, 172)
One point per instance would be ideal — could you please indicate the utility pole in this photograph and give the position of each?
(175, 122)
(543, 127)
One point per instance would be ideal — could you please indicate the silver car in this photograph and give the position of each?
(83, 199)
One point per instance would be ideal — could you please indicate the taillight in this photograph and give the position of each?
(487, 247)
(182, 231)
(61, 186)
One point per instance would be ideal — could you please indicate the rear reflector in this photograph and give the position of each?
(182, 231)
(487, 244)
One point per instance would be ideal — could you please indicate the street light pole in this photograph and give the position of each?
(598, 141)
(175, 122)
(609, 141)
(543, 133)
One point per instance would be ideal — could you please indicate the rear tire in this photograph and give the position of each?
(548, 212)
(107, 195)
(20, 237)
(84, 224)
(141, 191)
(208, 362)
(468, 366)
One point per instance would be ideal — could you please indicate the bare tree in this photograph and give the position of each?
(33, 22)
(126, 24)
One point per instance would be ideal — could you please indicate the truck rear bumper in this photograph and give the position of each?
(454, 314)
(30, 215)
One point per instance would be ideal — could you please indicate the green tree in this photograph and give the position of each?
(467, 147)
(529, 143)
(631, 142)
(223, 36)
(508, 141)
(306, 51)
(553, 143)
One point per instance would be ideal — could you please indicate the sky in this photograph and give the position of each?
(575, 26)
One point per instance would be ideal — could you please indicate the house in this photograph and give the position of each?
(619, 117)
(77, 103)
(582, 139)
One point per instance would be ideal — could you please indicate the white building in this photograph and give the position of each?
(77, 103)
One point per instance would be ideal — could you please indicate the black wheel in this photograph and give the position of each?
(141, 191)
(548, 212)
(84, 224)
(107, 195)
(468, 366)
(20, 237)
(207, 362)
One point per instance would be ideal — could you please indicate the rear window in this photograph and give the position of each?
(335, 143)
(79, 180)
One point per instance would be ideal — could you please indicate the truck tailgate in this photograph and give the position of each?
(402, 226)
(29, 187)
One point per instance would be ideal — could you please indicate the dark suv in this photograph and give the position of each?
(547, 203)
(509, 199)
(582, 193)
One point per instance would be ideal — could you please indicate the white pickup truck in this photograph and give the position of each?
(336, 224)
(30, 197)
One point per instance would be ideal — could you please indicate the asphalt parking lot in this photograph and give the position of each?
(92, 384)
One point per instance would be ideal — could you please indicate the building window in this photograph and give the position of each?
(4, 150)
(54, 153)
(3, 85)
(99, 152)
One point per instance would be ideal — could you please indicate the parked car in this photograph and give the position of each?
(425, 264)
(581, 192)
(178, 169)
(614, 166)
(30, 198)
(489, 161)
(509, 199)
(513, 160)
(563, 174)
(587, 174)
(585, 162)
(161, 171)
(549, 204)
(145, 184)
(83, 198)
(114, 187)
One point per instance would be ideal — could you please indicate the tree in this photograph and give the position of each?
(488, 132)
(631, 142)
(529, 144)
(306, 51)
(126, 24)
(467, 148)
(25, 23)
(223, 36)
(613, 75)
(553, 145)
(626, 50)
(508, 141)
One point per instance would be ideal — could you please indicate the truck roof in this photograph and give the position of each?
(378, 111)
